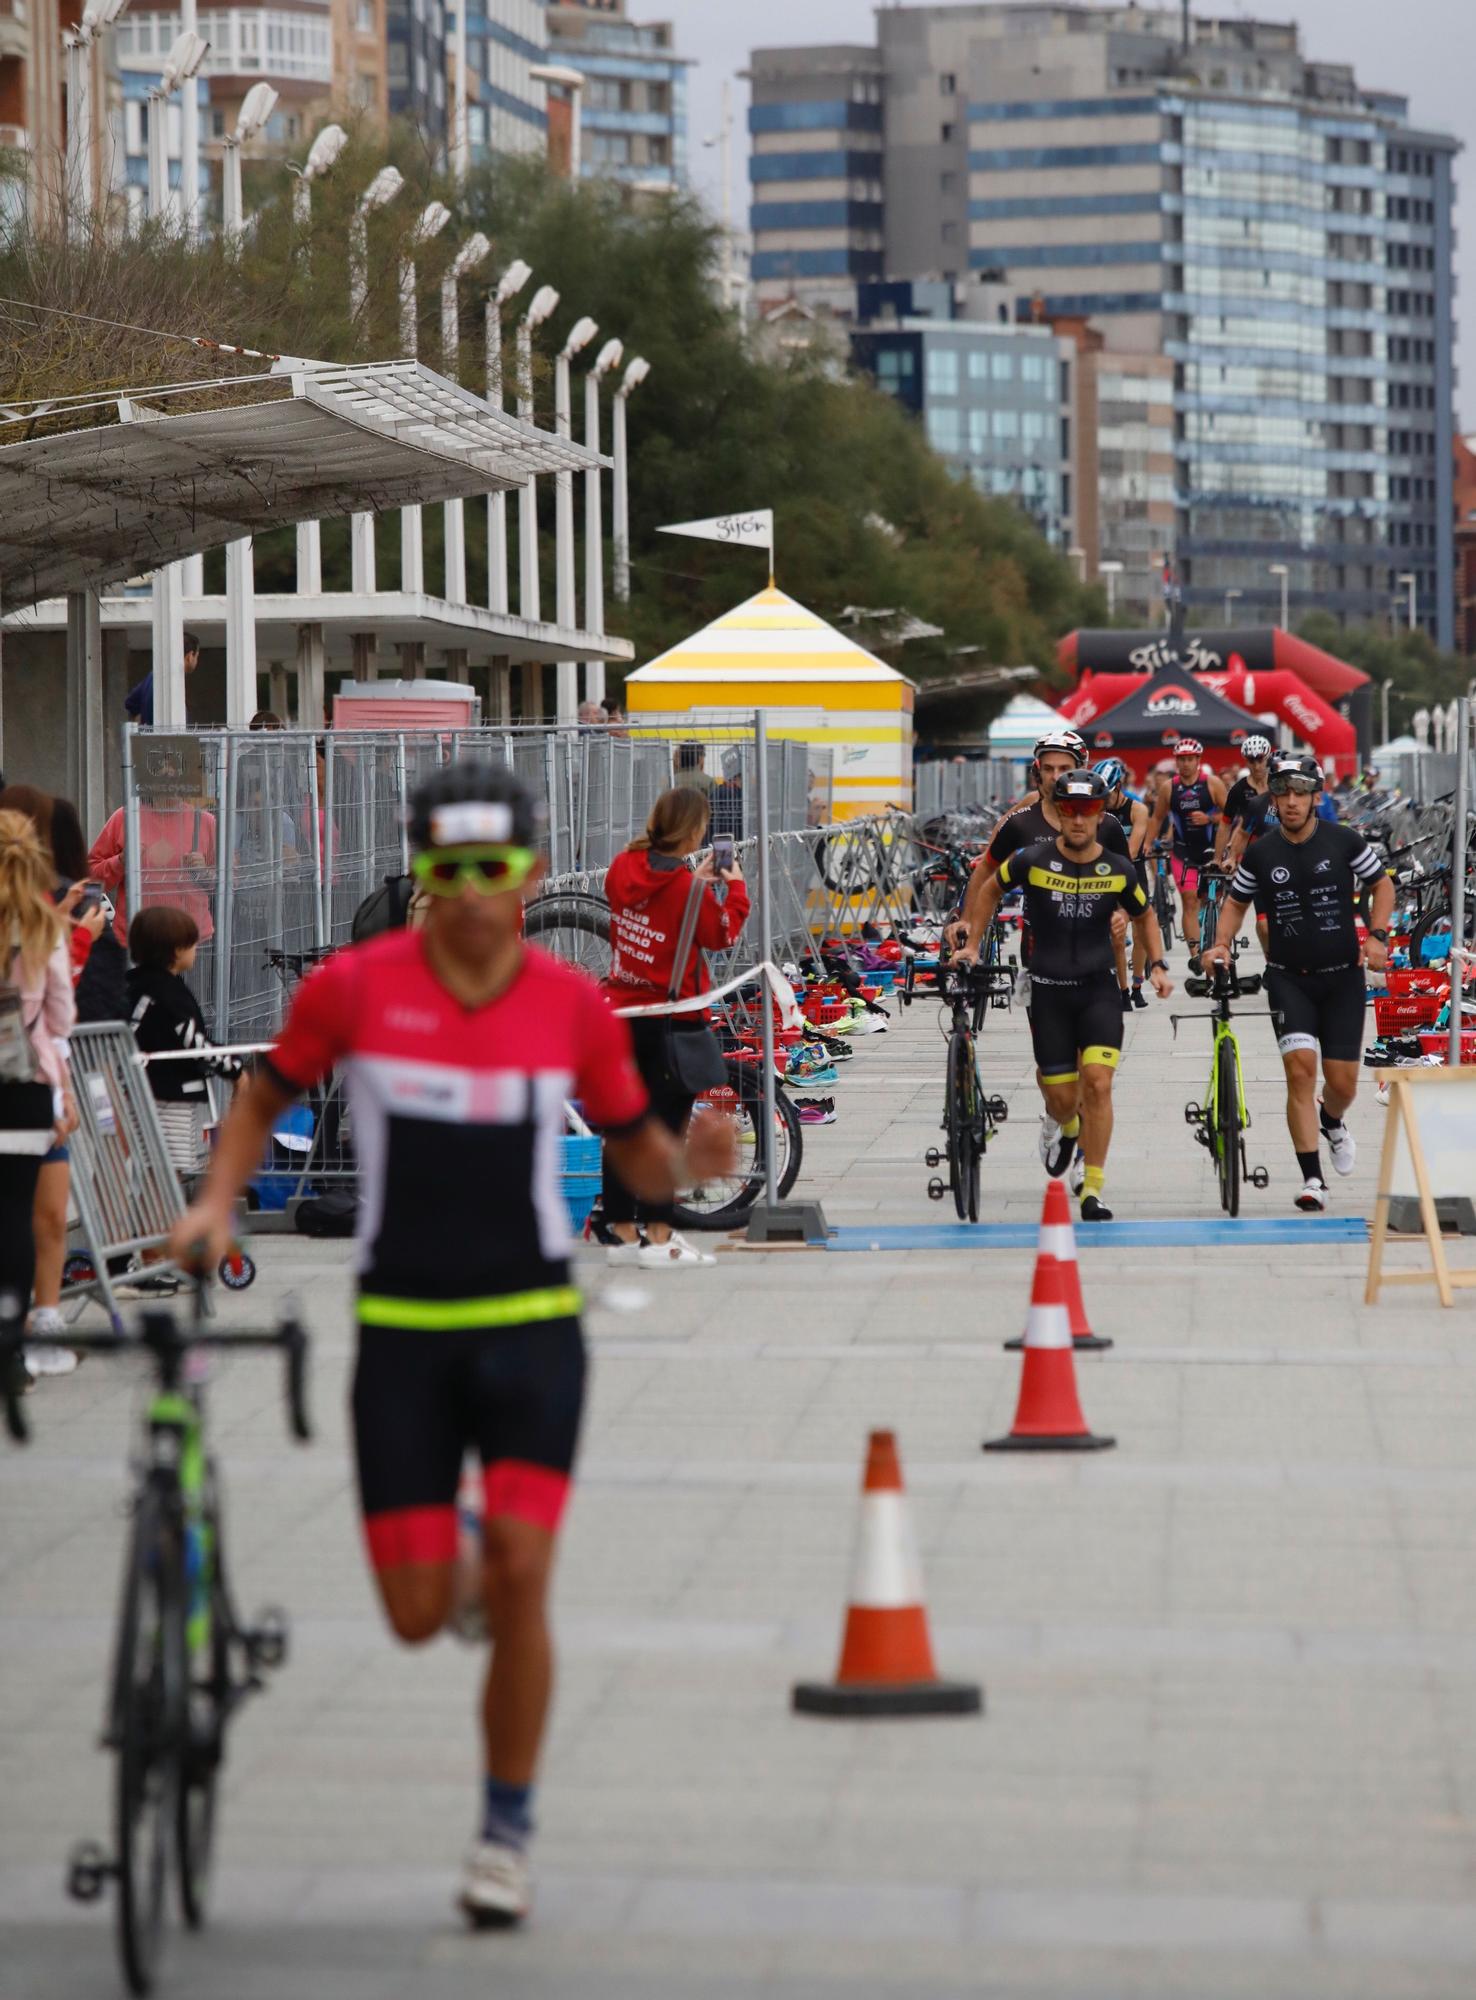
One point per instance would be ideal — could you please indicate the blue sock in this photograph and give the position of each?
(507, 1813)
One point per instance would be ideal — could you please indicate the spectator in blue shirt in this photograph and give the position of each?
(138, 703)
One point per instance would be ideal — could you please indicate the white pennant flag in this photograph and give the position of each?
(748, 531)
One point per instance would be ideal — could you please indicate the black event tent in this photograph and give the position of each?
(1161, 708)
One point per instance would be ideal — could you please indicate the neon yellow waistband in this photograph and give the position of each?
(434, 1315)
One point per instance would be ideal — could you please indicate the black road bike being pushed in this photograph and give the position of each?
(183, 1661)
(970, 1114)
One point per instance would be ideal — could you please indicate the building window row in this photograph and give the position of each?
(1402, 160)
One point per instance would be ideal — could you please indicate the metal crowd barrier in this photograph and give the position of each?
(124, 1186)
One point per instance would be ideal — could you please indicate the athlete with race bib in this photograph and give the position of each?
(1190, 801)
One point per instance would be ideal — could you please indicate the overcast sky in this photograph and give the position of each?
(1424, 49)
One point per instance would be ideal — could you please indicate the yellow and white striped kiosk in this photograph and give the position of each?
(772, 653)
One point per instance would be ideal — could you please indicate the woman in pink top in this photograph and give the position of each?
(37, 1013)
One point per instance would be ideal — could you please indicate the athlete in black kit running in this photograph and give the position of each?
(1305, 874)
(1073, 885)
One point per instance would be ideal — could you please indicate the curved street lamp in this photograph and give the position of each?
(543, 305)
(634, 375)
(608, 358)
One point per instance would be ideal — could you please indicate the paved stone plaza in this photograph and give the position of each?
(1230, 1742)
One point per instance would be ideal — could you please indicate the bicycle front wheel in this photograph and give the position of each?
(963, 1127)
(1164, 904)
(147, 1726)
(205, 1719)
(1227, 1127)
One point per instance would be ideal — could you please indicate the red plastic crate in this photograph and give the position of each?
(1436, 1044)
(1396, 1014)
(1406, 979)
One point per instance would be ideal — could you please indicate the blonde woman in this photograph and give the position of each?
(37, 1013)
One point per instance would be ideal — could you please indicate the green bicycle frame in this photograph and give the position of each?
(1224, 1032)
(178, 1416)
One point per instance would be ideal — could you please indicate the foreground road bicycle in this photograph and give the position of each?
(183, 1661)
(1222, 1120)
(1165, 904)
(1213, 884)
(970, 1115)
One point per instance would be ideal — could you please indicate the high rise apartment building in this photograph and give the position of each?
(507, 99)
(633, 107)
(1278, 235)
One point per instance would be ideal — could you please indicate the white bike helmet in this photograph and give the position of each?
(1254, 748)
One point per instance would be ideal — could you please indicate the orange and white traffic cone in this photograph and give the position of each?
(1058, 1240)
(886, 1663)
(1048, 1416)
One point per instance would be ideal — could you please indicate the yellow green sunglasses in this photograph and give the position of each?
(443, 871)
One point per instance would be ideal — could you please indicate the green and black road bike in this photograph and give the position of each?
(1221, 1121)
(183, 1660)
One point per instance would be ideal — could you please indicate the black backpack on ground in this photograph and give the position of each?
(331, 1214)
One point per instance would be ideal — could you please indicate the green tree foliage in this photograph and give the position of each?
(866, 514)
(1418, 673)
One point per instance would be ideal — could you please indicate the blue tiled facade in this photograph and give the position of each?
(633, 111)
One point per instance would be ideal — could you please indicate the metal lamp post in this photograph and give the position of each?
(322, 158)
(566, 678)
(509, 285)
(1281, 570)
(257, 107)
(180, 66)
(476, 250)
(428, 224)
(634, 375)
(608, 358)
(544, 303)
(382, 190)
(79, 42)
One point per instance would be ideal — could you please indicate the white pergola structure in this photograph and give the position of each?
(97, 489)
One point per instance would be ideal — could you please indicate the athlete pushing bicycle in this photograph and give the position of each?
(1072, 886)
(461, 1047)
(1304, 875)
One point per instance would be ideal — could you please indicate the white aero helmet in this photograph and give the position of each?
(1064, 738)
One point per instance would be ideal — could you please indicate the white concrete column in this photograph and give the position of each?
(279, 690)
(84, 719)
(309, 555)
(240, 633)
(168, 647)
(310, 661)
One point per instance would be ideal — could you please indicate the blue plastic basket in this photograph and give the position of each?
(579, 1178)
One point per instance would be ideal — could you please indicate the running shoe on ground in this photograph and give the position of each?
(1055, 1148)
(1342, 1148)
(816, 1114)
(1094, 1209)
(1313, 1198)
(867, 1024)
(1139, 997)
(675, 1254)
(1127, 1000)
(1195, 963)
(45, 1352)
(837, 1050)
(495, 1890)
(1076, 1179)
(617, 1252)
(825, 1103)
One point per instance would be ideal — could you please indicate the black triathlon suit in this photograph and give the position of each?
(1027, 826)
(1075, 1004)
(1193, 844)
(1306, 890)
(1247, 808)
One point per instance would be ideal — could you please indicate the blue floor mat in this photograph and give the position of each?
(1206, 1232)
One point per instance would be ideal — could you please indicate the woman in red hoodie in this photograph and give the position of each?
(648, 888)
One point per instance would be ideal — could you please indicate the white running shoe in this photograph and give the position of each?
(495, 1889)
(1056, 1149)
(1313, 1198)
(1076, 1179)
(624, 1253)
(1342, 1148)
(44, 1357)
(675, 1254)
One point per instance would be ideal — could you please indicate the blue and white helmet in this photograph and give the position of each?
(1113, 772)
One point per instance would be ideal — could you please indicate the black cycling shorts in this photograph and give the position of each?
(1319, 1010)
(423, 1398)
(1073, 1025)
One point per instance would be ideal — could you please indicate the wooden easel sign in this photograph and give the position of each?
(1429, 1157)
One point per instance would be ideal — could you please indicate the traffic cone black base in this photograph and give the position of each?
(922, 1698)
(1088, 1442)
(1084, 1343)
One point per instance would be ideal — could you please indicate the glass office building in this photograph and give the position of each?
(1201, 192)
